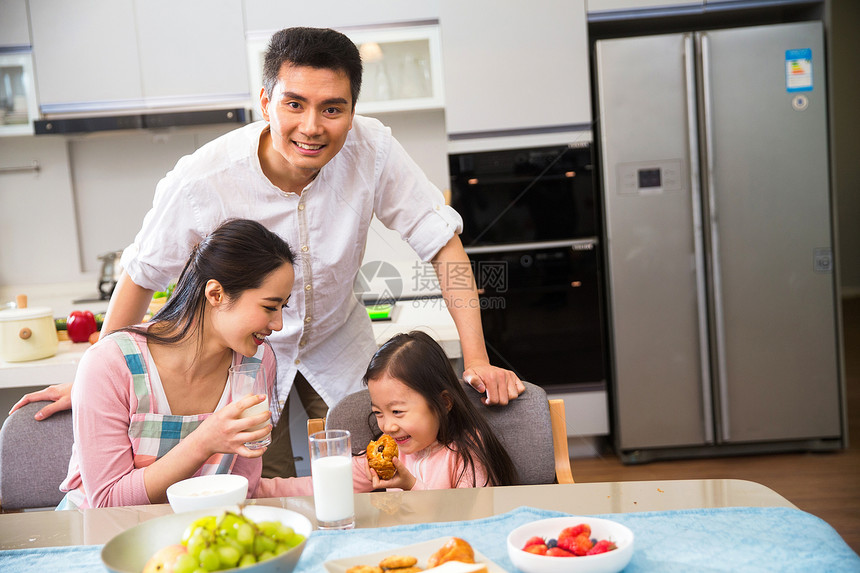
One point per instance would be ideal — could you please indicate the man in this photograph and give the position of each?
(314, 173)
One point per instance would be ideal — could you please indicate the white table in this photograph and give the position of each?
(382, 509)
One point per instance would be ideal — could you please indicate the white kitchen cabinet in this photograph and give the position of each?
(269, 16)
(14, 26)
(38, 228)
(85, 52)
(512, 66)
(192, 50)
(402, 69)
(113, 55)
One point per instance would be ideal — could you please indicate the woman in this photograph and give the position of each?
(151, 403)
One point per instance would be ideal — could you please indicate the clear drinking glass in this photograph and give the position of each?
(331, 472)
(250, 378)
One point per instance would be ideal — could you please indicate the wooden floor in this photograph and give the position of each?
(824, 484)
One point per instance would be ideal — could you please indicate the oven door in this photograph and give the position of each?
(541, 308)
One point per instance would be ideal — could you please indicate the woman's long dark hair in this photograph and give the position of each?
(239, 254)
(418, 361)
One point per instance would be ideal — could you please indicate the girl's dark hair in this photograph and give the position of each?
(320, 48)
(418, 361)
(239, 254)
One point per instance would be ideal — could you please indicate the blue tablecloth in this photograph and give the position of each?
(726, 539)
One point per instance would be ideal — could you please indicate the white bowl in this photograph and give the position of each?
(202, 492)
(609, 562)
(129, 551)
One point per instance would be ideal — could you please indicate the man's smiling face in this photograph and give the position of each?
(309, 115)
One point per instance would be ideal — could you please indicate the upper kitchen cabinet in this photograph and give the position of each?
(512, 66)
(14, 27)
(267, 16)
(402, 69)
(115, 55)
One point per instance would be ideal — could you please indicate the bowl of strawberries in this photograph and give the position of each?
(576, 544)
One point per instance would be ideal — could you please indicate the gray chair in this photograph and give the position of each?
(34, 458)
(532, 429)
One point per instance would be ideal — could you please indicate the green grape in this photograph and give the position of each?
(196, 544)
(204, 525)
(294, 539)
(184, 564)
(245, 535)
(228, 521)
(284, 532)
(265, 556)
(232, 542)
(263, 544)
(209, 559)
(229, 556)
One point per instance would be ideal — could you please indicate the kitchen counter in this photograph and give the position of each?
(429, 315)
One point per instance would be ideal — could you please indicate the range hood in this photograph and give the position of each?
(144, 120)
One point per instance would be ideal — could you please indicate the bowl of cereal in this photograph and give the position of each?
(202, 492)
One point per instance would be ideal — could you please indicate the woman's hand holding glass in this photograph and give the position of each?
(226, 431)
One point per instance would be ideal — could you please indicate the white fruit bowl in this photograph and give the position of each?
(129, 551)
(202, 492)
(609, 562)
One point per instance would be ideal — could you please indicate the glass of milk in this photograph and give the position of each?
(250, 378)
(331, 472)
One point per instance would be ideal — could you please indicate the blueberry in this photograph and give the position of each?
(551, 543)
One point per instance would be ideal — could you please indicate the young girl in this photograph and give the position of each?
(443, 439)
(151, 403)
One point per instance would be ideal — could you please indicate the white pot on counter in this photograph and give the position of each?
(27, 333)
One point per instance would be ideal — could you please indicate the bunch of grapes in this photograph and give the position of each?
(232, 540)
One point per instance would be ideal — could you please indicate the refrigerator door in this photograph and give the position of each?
(767, 184)
(661, 393)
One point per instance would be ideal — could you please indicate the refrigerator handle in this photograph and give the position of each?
(714, 235)
(698, 234)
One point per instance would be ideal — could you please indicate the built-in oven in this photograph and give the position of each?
(531, 230)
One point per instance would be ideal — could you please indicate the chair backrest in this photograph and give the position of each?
(34, 458)
(525, 427)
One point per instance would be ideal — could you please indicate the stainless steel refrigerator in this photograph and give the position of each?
(717, 206)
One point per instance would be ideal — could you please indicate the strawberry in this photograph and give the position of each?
(558, 552)
(575, 531)
(601, 546)
(536, 549)
(578, 545)
(534, 541)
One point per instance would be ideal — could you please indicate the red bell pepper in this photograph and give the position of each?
(80, 324)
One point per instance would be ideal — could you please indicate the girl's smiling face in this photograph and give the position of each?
(403, 414)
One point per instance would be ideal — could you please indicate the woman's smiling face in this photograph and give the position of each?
(243, 323)
(403, 414)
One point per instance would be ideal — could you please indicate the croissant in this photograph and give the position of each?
(455, 549)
